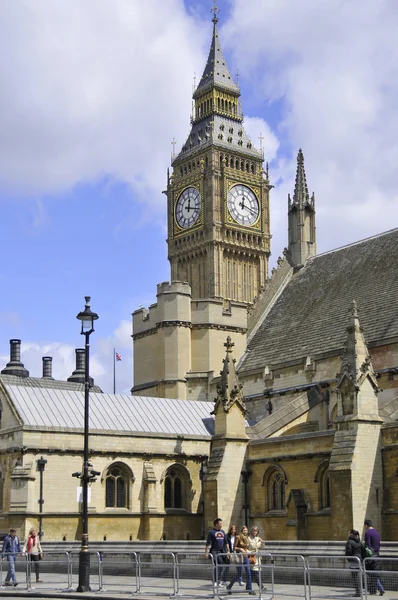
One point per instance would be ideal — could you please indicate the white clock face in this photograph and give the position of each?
(188, 207)
(243, 205)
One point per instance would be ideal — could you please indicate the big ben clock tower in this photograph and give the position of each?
(218, 195)
(218, 246)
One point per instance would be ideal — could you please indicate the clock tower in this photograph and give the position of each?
(218, 246)
(218, 195)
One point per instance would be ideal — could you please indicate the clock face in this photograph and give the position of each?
(243, 205)
(188, 207)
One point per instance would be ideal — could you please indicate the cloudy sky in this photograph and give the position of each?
(93, 93)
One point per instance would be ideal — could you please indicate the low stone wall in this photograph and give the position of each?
(335, 548)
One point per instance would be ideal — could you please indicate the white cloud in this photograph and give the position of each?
(257, 128)
(334, 65)
(94, 88)
(101, 359)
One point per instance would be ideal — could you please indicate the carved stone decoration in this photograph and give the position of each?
(229, 390)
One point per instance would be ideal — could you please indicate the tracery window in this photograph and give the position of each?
(117, 487)
(176, 488)
(276, 491)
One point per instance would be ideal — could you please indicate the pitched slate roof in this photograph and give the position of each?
(46, 407)
(311, 315)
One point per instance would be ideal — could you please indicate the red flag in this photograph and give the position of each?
(118, 356)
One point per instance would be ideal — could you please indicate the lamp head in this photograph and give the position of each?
(87, 317)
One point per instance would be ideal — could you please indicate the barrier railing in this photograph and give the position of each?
(58, 563)
(235, 568)
(287, 575)
(153, 567)
(334, 573)
(380, 574)
(195, 573)
(95, 570)
(118, 572)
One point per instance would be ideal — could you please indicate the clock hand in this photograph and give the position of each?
(252, 210)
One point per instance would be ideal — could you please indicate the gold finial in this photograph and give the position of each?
(215, 10)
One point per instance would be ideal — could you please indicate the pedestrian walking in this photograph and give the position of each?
(11, 549)
(353, 549)
(217, 546)
(372, 539)
(255, 543)
(240, 547)
(33, 549)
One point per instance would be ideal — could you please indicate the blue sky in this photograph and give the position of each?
(96, 91)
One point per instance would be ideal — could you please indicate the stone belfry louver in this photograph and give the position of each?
(218, 194)
(301, 217)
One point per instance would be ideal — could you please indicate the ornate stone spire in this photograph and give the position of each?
(301, 195)
(216, 72)
(229, 390)
(356, 364)
(301, 216)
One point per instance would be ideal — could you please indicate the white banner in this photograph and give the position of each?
(79, 495)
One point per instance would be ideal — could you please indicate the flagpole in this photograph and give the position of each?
(114, 370)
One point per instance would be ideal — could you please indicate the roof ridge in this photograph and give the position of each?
(371, 237)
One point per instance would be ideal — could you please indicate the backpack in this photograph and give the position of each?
(366, 551)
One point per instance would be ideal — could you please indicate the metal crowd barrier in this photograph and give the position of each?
(153, 567)
(380, 574)
(194, 573)
(287, 575)
(229, 569)
(334, 573)
(52, 562)
(118, 570)
(95, 569)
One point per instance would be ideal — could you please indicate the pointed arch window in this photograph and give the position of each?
(117, 487)
(322, 477)
(177, 486)
(275, 482)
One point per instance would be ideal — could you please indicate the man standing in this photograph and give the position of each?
(216, 545)
(11, 547)
(372, 539)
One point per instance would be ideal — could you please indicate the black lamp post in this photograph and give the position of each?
(41, 464)
(87, 318)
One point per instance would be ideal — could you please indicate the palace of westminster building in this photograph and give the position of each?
(257, 397)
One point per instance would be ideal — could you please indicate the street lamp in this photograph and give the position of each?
(87, 318)
(41, 464)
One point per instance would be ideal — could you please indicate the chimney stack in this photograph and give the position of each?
(78, 374)
(47, 367)
(15, 367)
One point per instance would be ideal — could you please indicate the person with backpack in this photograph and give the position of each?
(372, 540)
(11, 548)
(353, 548)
